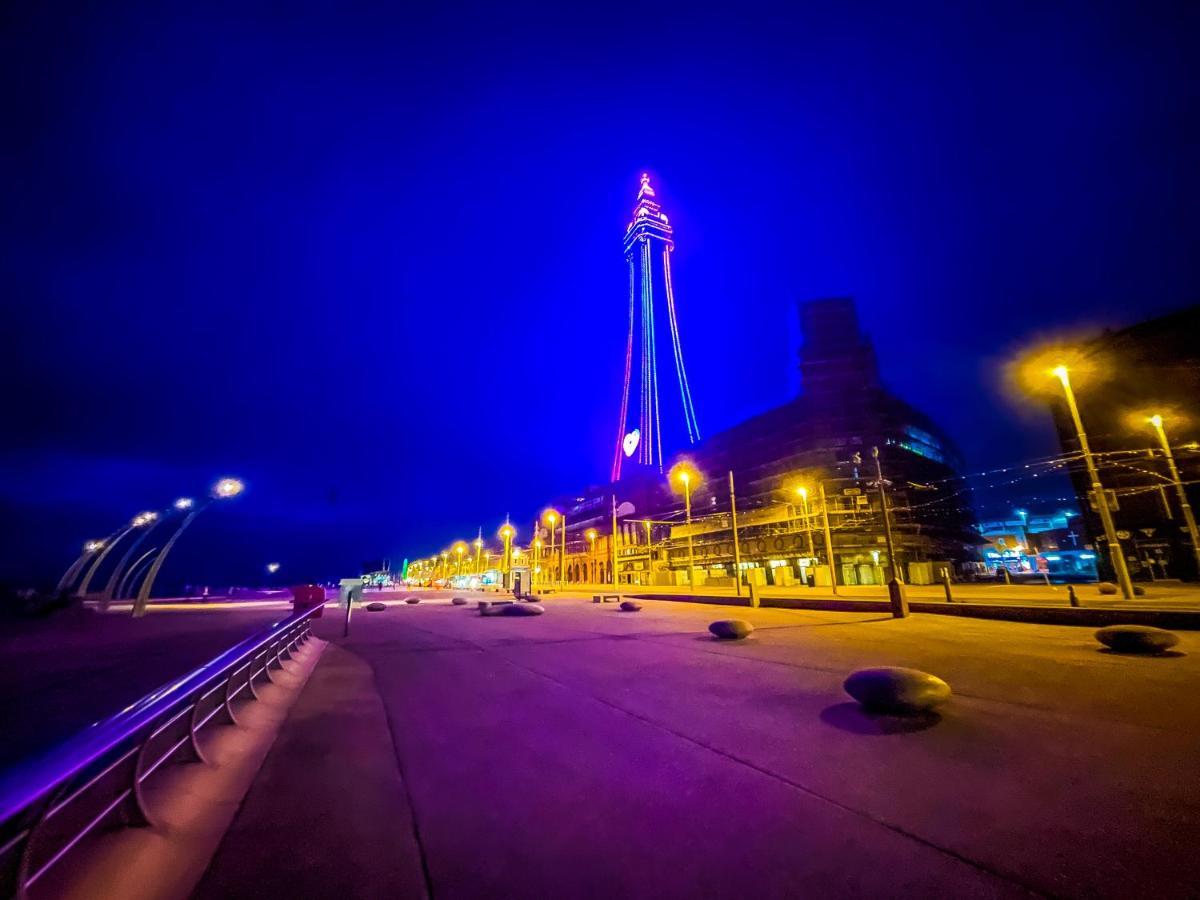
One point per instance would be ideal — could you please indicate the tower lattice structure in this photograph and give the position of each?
(650, 430)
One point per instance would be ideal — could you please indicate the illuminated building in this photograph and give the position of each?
(826, 434)
(654, 420)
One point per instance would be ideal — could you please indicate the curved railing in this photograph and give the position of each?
(49, 804)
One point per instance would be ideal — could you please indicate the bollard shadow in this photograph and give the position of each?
(1162, 654)
(853, 718)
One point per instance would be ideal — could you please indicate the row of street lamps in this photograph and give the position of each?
(95, 552)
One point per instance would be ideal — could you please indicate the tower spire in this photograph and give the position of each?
(642, 439)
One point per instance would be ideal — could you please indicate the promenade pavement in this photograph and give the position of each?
(589, 752)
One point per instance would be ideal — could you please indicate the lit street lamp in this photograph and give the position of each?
(506, 534)
(686, 475)
(139, 521)
(225, 489)
(551, 517)
(803, 492)
(272, 568)
(590, 534)
(1189, 520)
(1106, 519)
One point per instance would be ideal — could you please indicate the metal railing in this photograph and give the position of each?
(51, 803)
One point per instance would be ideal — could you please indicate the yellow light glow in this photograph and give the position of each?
(590, 534)
(803, 492)
(684, 473)
(551, 516)
(93, 546)
(1156, 420)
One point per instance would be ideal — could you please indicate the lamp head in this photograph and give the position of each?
(228, 487)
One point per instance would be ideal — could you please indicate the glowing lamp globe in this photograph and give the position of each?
(228, 487)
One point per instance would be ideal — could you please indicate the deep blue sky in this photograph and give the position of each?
(335, 250)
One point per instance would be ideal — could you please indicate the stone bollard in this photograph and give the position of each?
(753, 594)
(1071, 598)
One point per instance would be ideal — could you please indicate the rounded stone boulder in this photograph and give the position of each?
(459, 601)
(523, 609)
(897, 690)
(1139, 591)
(413, 600)
(630, 606)
(1106, 587)
(1143, 639)
(376, 606)
(730, 629)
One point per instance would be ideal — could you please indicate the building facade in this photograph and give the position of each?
(822, 443)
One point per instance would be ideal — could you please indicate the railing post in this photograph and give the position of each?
(192, 720)
(229, 697)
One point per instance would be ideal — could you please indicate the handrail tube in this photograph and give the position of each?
(28, 783)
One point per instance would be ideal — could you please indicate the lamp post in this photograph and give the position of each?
(479, 553)
(562, 550)
(537, 560)
(89, 548)
(590, 534)
(737, 548)
(105, 549)
(616, 579)
(828, 536)
(551, 517)
(224, 489)
(183, 504)
(803, 492)
(131, 576)
(459, 549)
(1189, 520)
(1115, 552)
(686, 476)
(506, 534)
(895, 582)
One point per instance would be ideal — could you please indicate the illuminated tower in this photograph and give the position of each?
(646, 426)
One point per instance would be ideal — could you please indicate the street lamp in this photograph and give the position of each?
(141, 520)
(803, 492)
(550, 516)
(459, 549)
(895, 582)
(224, 489)
(590, 534)
(184, 503)
(506, 534)
(272, 568)
(685, 475)
(1189, 520)
(479, 553)
(1106, 519)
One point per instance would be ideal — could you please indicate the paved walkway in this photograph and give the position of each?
(589, 752)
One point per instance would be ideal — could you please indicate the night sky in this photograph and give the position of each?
(370, 261)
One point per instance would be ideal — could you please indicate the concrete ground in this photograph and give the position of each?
(61, 674)
(589, 752)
